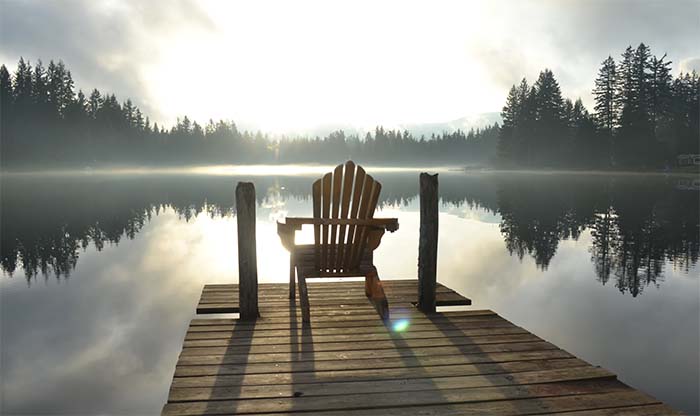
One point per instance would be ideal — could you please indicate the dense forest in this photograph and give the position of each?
(44, 121)
(643, 118)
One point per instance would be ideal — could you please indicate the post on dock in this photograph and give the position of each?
(247, 256)
(428, 242)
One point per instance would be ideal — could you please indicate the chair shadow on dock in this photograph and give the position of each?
(347, 360)
(301, 352)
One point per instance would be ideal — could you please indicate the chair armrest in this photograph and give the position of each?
(389, 224)
(286, 233)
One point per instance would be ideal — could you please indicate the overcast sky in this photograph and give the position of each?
(295, 65)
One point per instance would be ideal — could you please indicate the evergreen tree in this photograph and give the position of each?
(641, 62)
(40, 88)
(589, 147)
(5, 90)
(605, 109)
(22, 84)
(643, 150)
(660, 96)
(526, 123)
(604, 93)
(550, 126)
(6, 113)
(5, 85)
(626, 101)
(138, 120)
(685, 114)
(509, 114)
(94, 103)
(128, 109)
(77, 110)
(626, 90)
(60, 83)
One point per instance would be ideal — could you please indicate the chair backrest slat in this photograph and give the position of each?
(335, 210)
(355, 254)
(371, 206)
(354, 208)
(316, 196)
(348, 193)
(344, 211)
(326, 206)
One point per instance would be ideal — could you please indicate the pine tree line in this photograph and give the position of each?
(643, 118)
(45, 122)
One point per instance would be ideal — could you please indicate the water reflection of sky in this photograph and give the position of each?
(106, 339)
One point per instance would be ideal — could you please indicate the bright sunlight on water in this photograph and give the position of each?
(102, 272)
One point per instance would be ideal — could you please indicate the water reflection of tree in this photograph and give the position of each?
(637, 225)
(47, 222)
(638, 255)
(655, 224)
(536, 215)
(604, 232)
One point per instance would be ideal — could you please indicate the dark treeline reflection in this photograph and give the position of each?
(637, 223)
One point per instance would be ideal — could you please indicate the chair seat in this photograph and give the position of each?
(305, 261)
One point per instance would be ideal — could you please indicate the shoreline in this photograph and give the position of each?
(315, 168)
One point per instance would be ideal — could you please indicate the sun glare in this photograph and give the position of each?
(312, 64)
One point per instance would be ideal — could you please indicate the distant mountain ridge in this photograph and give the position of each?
(465, 124)
(473, 121)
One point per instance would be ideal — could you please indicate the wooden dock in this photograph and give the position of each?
(348, 362)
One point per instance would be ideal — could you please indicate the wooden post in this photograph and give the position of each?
(428, 242)
(247, 257)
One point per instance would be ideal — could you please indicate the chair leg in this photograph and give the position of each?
(304, 298)
(292, 268)
(375, 293)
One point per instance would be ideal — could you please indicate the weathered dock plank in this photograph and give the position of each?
(223, 298)
(388, 399)
(396, 384)
(347, 361)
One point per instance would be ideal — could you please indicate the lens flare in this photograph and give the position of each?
(401, 325)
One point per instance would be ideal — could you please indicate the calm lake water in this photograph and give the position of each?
(101, 273)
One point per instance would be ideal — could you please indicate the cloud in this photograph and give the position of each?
(573, 38)
(690, 64)
(105, 44)
(281, 66)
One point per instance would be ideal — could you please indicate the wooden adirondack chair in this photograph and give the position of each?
(345, 235)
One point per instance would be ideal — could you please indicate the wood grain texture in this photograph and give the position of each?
(388, 399)
(346, 361)
(274, 297)
(428, 242)
(344, 212)
(247, 256)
